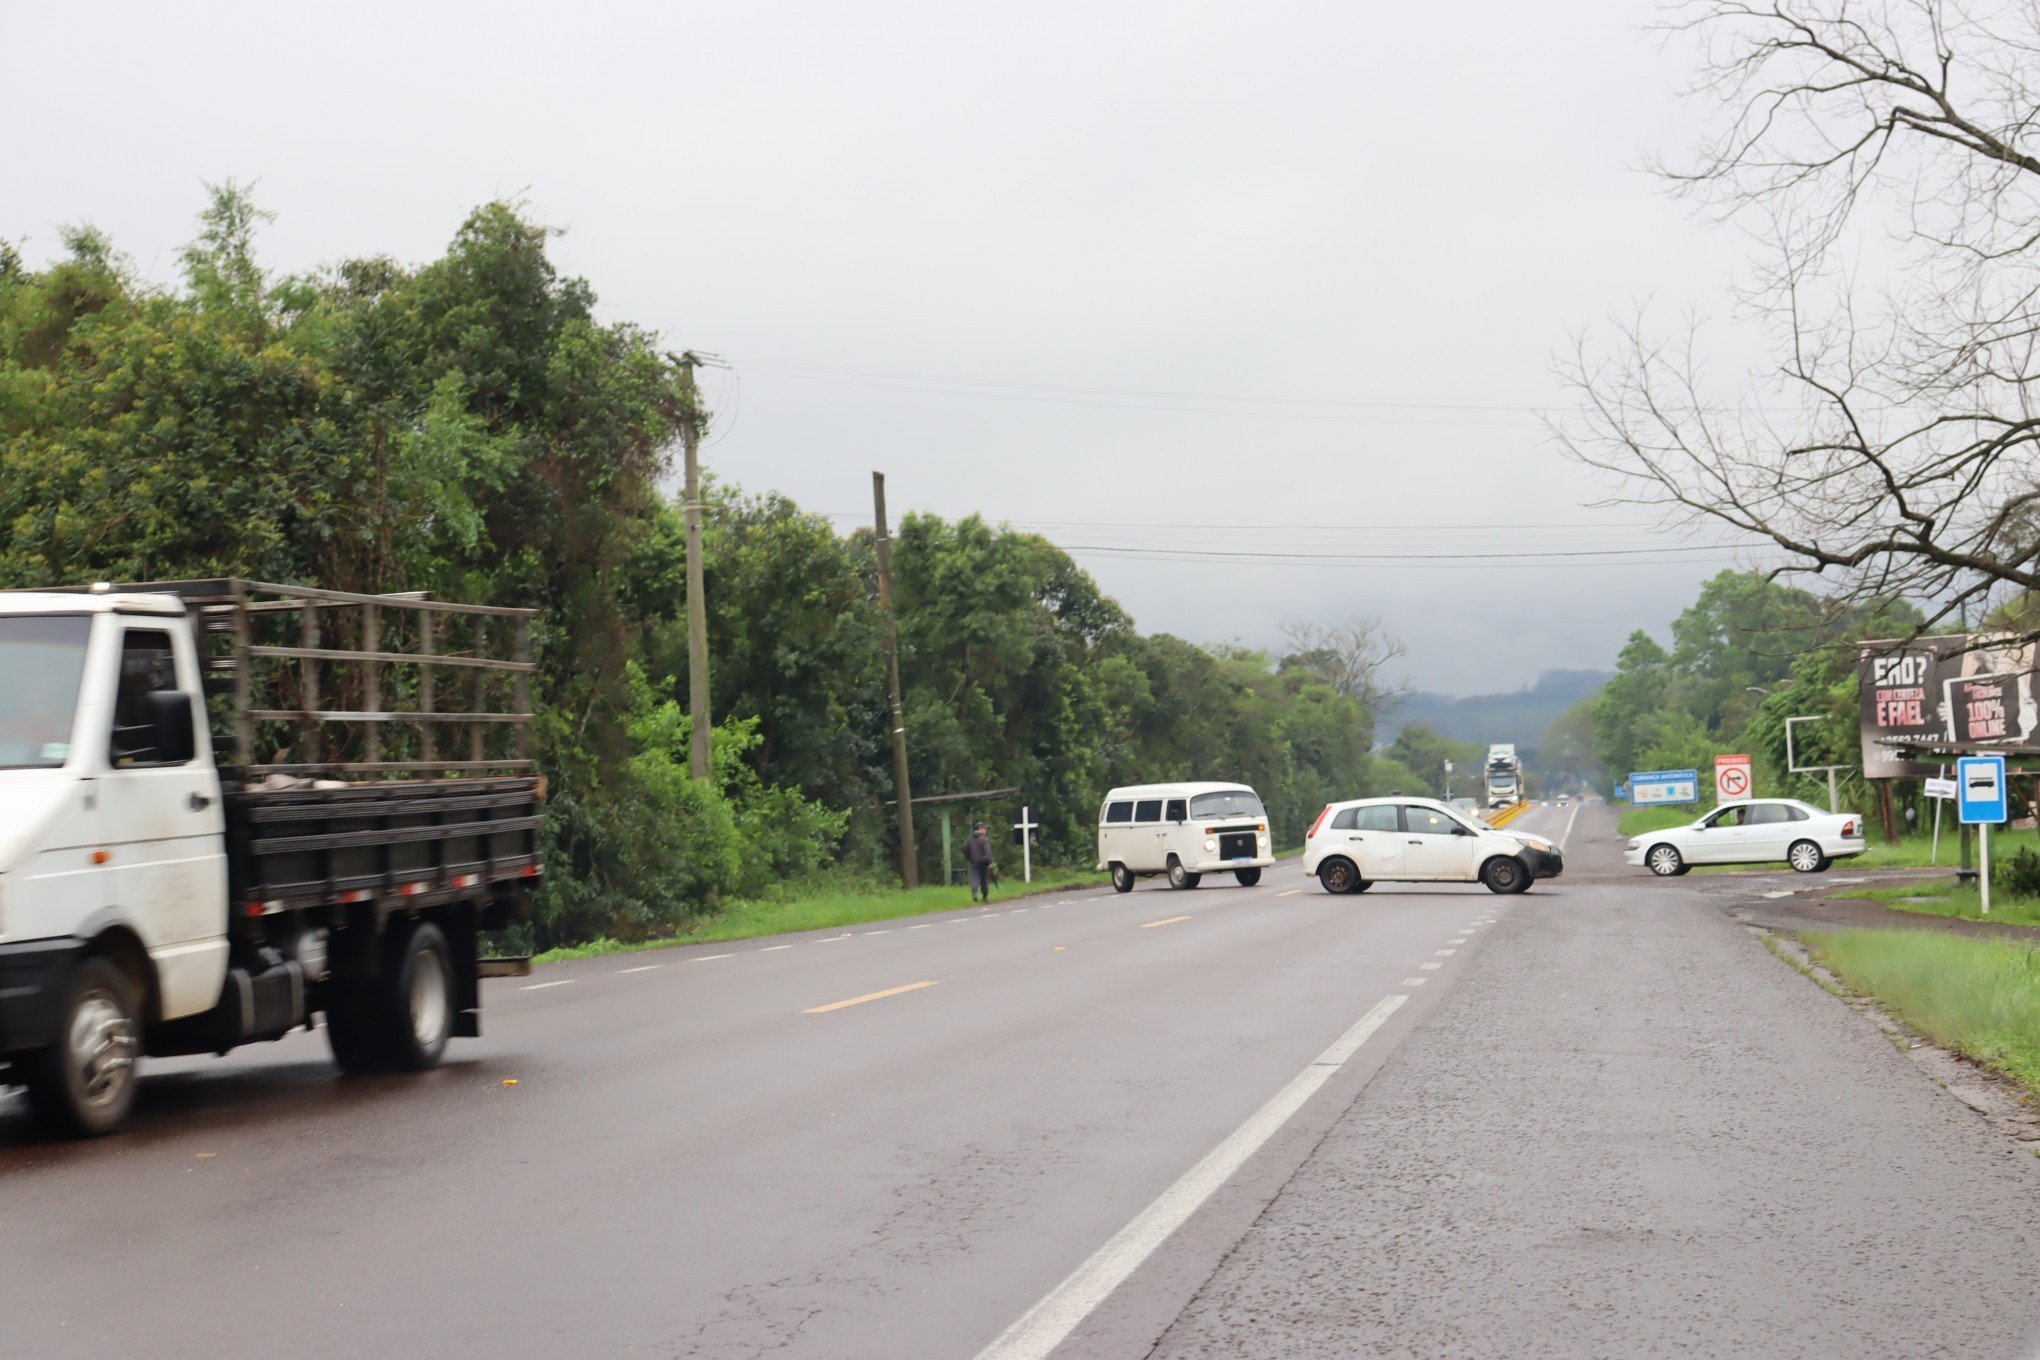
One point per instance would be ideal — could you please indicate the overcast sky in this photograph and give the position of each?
(1152, 278)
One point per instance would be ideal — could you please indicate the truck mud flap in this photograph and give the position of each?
(510, 967)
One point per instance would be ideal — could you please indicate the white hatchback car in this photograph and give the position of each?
(1758, 831)
(1352, 846)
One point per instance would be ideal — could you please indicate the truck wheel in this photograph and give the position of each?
(350, 1028)
(1247, 877)
(1179, 877)
(1122, 878)
(84, 1083)
(419, 1000)
(1504, 874)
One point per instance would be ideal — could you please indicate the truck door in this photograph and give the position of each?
(1433, 846)
(1374, 841)
(163, 824)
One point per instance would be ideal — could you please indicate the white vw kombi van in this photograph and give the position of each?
(1185, 831)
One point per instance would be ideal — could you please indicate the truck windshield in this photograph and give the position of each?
(1237, 803)
(42, 658)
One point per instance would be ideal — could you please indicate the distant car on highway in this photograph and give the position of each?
(1354, 845)
(1758, 831)
(1184, 831)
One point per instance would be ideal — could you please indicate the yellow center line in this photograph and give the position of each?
(1291, 893)
(868, 996)
(1150, 925)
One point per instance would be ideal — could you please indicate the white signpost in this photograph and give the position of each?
(1731, 779)
(1027, 826)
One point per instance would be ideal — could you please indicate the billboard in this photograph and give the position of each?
(1655, 788)
(1966, 690)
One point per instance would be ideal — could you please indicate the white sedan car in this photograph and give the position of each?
(1352, 846)
(1758, 831)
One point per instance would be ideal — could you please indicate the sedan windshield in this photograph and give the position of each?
(42, 658)
(1233, 803)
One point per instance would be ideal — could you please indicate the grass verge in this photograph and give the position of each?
(1979, 998)
(825, 909)
(1960, 900)
(1635, 821)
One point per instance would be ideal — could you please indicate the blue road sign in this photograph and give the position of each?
(1651, 788)
(1980, 793)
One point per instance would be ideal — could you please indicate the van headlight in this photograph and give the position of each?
(1210, 846)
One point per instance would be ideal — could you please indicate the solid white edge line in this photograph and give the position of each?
(1044, 1326)
(1568, 826)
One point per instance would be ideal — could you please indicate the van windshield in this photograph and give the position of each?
(1232, 803)
(42, 658)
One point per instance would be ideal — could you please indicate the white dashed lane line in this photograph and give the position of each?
(711, 958)
(541, 986)
(1415, 981)
(1430, 967)
(774, 948)
(887, 931)
(641, 968)
(1446, 953)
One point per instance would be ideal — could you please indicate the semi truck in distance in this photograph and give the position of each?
(228, 808)
(1504, 776)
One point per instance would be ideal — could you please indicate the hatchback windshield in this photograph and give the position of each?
(1235, 803)
(42, 658)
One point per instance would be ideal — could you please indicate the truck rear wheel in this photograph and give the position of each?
(419, 1000)
(404, 1018)
(84, 1082)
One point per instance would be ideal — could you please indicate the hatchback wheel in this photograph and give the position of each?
(1338, 876)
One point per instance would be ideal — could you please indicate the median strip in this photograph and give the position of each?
(1150, 925)
(868, 996)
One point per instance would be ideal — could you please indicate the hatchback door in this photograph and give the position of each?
(1374, 841)
(1434, 846)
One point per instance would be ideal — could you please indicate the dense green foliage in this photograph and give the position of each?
(468, 427)
(1747, 655)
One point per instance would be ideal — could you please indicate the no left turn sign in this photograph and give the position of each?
(1731, 778)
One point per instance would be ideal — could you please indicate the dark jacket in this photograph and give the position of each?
(978, 849)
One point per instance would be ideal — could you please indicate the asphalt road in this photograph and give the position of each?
(1228, 1122)
(695, 1159)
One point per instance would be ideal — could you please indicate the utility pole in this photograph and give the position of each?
(910, 873)
(698, 719)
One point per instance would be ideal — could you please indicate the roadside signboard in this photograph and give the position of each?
(1731, 779)
(1980, 790)
(1651, 788)
(1962, 690)
(1940, 788)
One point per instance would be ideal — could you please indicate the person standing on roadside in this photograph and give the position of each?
(977, 852)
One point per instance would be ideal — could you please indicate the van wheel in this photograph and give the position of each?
(84, 1083)
(1179, 877)
(1805, 857)
(1122, 878)
(1247, 877)
(1504, 874)
(1339, 876)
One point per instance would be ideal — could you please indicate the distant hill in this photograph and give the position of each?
(1488, 718)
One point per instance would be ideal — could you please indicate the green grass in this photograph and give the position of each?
(1636, 821)
(1980, 998)
(1960, 900)
(1916, 851)
(825, 909)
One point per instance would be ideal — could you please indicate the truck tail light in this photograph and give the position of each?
(1312, 833)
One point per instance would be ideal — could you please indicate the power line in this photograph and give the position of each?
(1122, 550)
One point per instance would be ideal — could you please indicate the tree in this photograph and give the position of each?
(1351, 657)
(1893, 447)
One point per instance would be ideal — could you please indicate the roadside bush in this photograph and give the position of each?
(2018, 874)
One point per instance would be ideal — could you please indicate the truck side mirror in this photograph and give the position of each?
(170, 718)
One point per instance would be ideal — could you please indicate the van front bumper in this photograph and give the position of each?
(32, 976)
(1226, 866)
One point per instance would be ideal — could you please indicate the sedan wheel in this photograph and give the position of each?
(1805, 857)
(1664, 861)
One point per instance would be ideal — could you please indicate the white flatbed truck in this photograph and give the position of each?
(196, 852)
